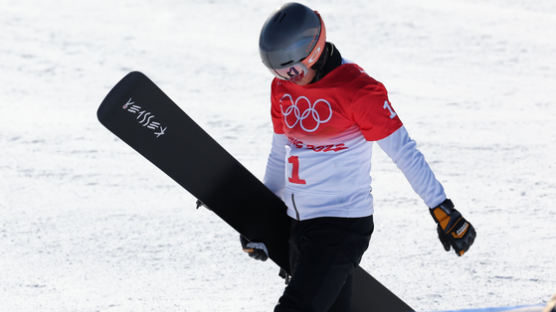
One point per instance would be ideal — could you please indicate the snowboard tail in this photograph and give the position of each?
(140, 114)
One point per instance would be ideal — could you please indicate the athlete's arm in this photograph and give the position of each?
(403, 151)
(454, 231)
(275, 166)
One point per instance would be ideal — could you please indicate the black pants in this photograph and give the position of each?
(323, 254)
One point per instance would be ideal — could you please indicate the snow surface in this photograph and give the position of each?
(86, 224)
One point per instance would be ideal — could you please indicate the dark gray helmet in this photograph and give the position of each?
(290, 35)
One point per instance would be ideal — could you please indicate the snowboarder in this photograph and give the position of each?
(326, 112)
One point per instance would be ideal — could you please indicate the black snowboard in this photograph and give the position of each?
(139, 113)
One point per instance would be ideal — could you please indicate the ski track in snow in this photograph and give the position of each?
(86, 224)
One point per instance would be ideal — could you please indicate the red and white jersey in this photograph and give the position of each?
(321, 157)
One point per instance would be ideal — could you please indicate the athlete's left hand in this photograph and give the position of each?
(453, 230)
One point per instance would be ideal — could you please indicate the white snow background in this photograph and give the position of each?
(87, 224)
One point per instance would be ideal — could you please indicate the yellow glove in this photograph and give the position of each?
(453, 230)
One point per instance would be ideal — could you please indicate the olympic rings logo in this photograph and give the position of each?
(310, 111)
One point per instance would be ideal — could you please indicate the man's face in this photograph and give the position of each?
(305, 79)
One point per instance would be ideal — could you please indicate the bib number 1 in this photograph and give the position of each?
(294, 160)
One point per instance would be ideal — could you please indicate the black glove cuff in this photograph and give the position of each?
(446, 206)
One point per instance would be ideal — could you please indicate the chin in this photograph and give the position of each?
(302, 81)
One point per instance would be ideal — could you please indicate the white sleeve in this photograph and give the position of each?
(274, 177)
(403, 151)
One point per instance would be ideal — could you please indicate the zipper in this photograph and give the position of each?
(295, 208)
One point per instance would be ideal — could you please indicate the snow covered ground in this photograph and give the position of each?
(86, 224)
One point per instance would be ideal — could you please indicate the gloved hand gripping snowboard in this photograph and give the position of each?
(255, 250)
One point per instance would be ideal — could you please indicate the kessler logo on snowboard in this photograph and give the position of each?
(144, 118)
